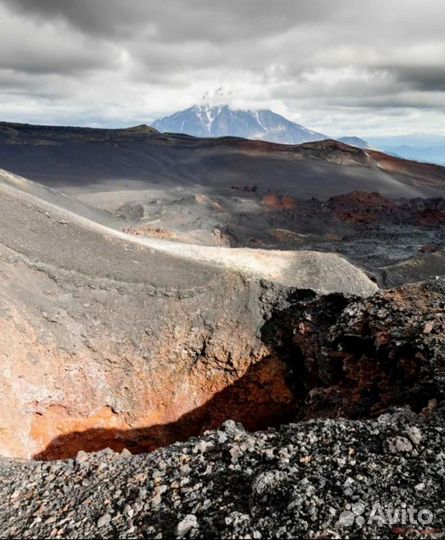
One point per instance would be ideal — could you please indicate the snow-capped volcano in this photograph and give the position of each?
(221, 120)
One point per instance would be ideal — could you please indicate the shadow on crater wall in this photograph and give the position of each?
(261, 398)
(271, 392)
(316, 369)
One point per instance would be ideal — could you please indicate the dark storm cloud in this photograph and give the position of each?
(177, 19)
(428, 78)
(60, 62)
(125, 59)
(234, 19)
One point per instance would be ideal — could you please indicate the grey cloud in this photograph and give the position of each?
(130, 55)
(50, 48)
(428, 78)
(176, 19)
(32, 63)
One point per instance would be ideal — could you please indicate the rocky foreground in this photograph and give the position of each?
(380, 473)
(113, 345)
(316, 479)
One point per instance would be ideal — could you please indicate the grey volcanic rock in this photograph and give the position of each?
(421, 266)
(101, 316)
(112, 340)
(222, 121)
(310, 480)
(322, 272)
(356, 357)
(56, 199)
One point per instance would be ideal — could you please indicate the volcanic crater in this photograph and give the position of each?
(122, 328)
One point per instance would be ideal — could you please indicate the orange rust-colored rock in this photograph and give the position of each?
(273, 201)
(430, 248)
(288, 202)
(128, 367)
(97, 363)
(78, 402)
(430, 217)
(258, 399)
(360, 207)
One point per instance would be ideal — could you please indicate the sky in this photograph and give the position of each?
(342, 67)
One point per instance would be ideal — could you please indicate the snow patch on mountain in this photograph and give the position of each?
(220, 121)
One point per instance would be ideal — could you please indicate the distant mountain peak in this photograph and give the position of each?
(210, 120)
(142, 128)
(355, 141)
(207, 114)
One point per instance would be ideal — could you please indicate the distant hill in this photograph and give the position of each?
(425, 148)
(70, 158)
(221, 121)
(355, 141)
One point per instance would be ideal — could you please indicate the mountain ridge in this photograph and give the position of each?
(72, 157)
(265, 125)
(222, 120)
(355, 141)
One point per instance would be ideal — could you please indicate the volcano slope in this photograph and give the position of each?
(104, 330)
(103, 160)
(97, 357)
(376, 210)
(111, 338)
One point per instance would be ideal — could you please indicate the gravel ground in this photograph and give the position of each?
(316, 479)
